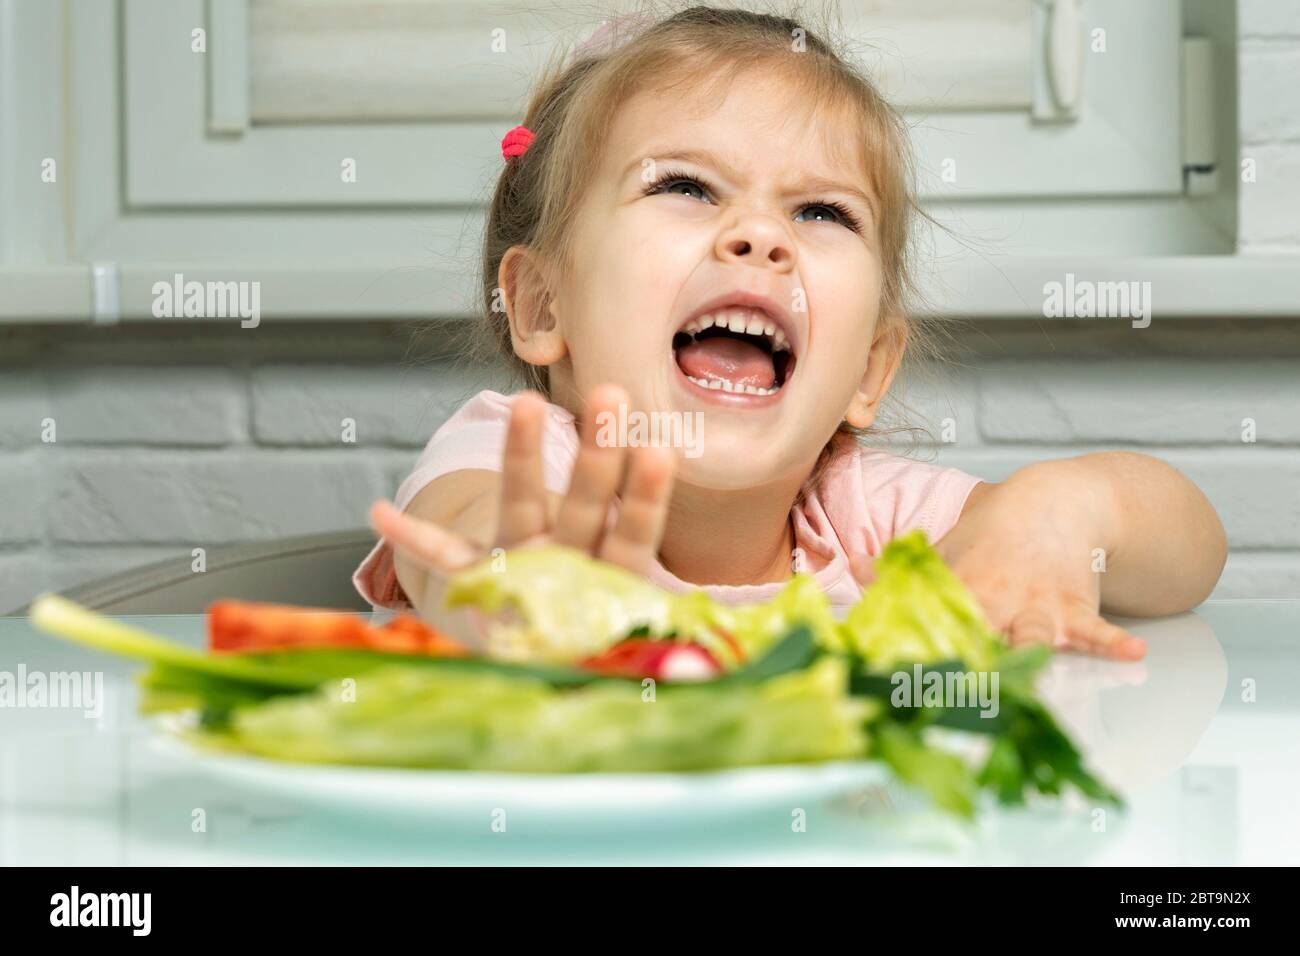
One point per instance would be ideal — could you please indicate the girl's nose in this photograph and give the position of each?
(759, 241)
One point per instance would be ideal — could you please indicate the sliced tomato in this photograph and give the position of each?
(668, 661)
(250, 626)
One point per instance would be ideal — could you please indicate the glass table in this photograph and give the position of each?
(1202, 738)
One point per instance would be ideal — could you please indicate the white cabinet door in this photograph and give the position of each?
(404, 102)
(340, 152)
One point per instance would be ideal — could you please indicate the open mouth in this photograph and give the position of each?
(739, 350)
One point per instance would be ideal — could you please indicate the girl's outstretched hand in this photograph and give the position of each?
(640, 477)
(1026, 548)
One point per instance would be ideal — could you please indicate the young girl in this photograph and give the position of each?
(709, 214)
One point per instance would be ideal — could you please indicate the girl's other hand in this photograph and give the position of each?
(640, 477)
(1024, 548)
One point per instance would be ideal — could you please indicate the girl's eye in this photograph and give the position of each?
(669, 181)
(840, 211)
(673, 181)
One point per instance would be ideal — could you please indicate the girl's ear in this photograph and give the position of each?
(530, 308)
(882, 364)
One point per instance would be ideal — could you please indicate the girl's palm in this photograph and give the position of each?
(641, 479)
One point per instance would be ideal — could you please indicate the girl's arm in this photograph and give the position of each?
(1058, 541)
(1167, 544)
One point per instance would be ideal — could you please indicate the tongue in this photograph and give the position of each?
(737, 361)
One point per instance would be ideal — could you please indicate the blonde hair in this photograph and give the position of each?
(538, 195)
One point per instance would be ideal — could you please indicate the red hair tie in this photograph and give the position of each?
(516, 142)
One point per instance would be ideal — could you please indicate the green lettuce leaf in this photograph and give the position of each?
(462, 719)
(756, 627)
(918, 611)
(556, 604)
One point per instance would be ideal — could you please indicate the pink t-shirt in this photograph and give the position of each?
(868, 498)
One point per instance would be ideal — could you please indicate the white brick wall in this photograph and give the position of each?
(1268, 18)
(143, 405)
(157, 452)
(154, 459)
(1269, 100)
(1179, 390)
(296, 404)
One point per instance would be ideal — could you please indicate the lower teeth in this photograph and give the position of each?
(725, 386)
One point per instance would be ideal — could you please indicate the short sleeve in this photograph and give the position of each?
(872, 497)
(944, 500)
(474, 437)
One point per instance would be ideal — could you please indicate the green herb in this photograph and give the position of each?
(944, 776)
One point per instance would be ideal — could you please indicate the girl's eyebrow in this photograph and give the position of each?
(702, 157)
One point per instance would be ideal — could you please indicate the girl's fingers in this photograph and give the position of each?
(523, 488)
(596, 475)
(1033, 625)
(643, 509)
(1092, 634)
(439, 549)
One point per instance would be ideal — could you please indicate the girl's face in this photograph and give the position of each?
(688, 212)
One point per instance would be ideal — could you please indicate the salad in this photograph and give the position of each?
(587, 667)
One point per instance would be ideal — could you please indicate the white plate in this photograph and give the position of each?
(473, 798)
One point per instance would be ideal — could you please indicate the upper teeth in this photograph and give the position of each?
(748, 321)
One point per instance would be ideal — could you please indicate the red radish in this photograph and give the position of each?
(668, 661)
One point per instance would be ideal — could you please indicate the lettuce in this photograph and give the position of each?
(461, 719)
(810, 689)
(918, 612)
(756, 627)
(556, 604)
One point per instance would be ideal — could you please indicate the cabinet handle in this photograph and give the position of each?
(1065, 54)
